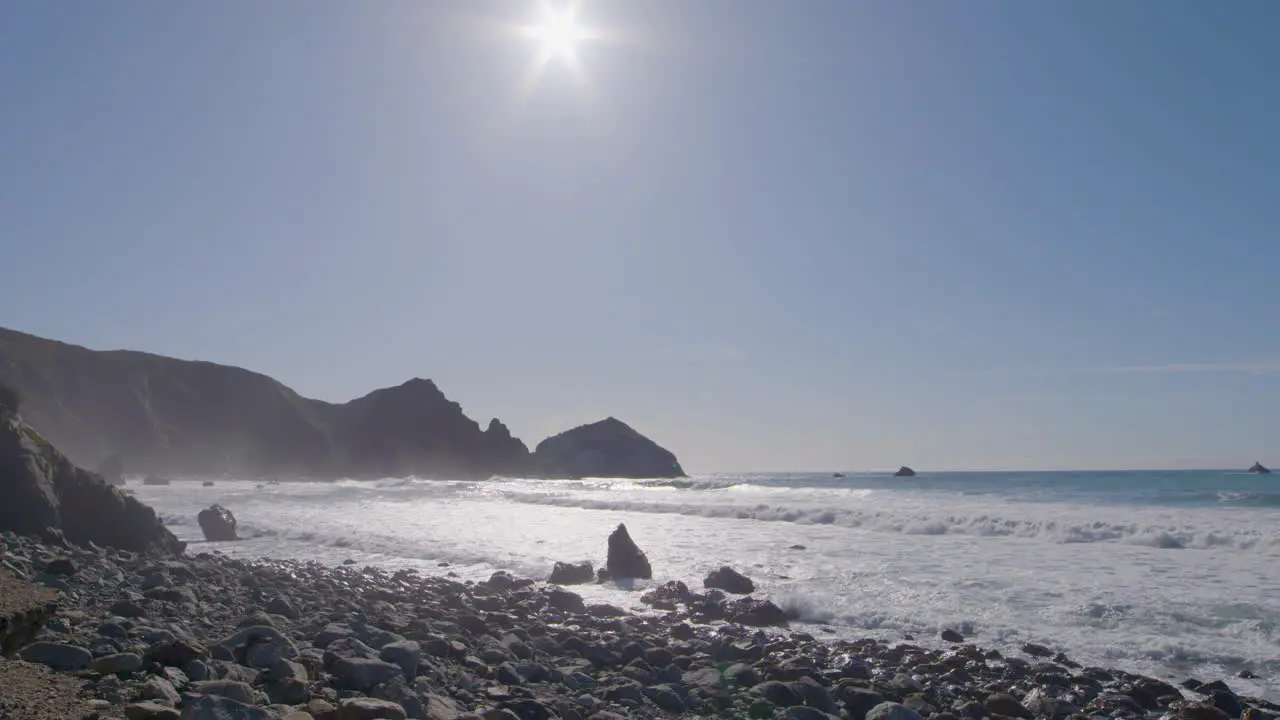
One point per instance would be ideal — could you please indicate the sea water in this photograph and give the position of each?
(1171, 574)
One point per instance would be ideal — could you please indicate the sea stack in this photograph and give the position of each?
(626, 560)
(217, 523)
(1259, 469)
(905, 471)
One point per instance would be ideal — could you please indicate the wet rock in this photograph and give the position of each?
(1035, 650)
(625, 559)
(1197, 711)
(566, 601)
(217, 523)
(729, 580)
(951, 636)
(668, 596)
(571, 573)
(753, 612)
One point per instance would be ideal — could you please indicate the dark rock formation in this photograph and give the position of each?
(112, 470)
(753, 612)
(668, 596)
(44, 492)
(626, 560)
(217, 523)
(1259, 469)
(177, 417)
(609, 448)
(571, 573)
(729, 580)
(905, 471)
(207, 483)
(174, 417)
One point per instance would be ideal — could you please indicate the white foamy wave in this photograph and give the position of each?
(983, 525)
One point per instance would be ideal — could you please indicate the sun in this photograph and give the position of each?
(558, 32)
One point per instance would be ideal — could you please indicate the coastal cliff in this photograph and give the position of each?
(46, 493)
(171, 417)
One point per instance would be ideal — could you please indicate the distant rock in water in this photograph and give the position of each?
(217, 523)
(207, 483)
(609, 448)
(837, 475)
(571, 573)
(1260, 469)
(155, 480)
(112, 470)
(905, 471)
(626, 560)
(44, 493)
(729, 580)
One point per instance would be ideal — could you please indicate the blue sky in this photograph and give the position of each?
(769, 235)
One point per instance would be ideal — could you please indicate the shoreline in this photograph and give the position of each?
(273, 638)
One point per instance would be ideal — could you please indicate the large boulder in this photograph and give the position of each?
(729, 580)
(1260, 469)
(609, 448)
(757, 613)
(217, 523)
(905, 471)
(571, 573)
(43, 491)
(626, 560)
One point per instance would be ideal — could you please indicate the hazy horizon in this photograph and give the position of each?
(833, 238)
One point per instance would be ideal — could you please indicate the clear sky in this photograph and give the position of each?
(770, 235)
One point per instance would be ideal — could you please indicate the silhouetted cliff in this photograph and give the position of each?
(172, 417)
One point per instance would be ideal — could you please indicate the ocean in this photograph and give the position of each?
(1172, 574)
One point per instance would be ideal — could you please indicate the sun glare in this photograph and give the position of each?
(558, 32)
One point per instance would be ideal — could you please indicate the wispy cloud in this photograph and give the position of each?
(1251, 368)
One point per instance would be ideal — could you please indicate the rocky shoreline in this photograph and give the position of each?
(206, 637)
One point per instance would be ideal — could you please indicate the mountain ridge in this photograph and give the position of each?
(166, 415)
